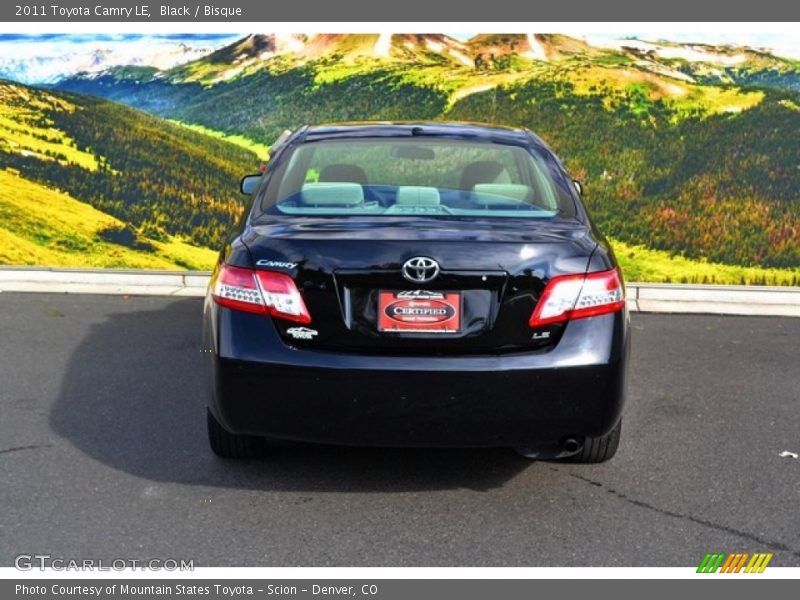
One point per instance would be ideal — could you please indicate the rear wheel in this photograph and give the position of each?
(231, 445)
(598, 449)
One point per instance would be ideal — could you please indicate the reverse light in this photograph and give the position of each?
(567, 297)
(260, 292)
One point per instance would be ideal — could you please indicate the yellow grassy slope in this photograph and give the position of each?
(41, 226)
(24, 129)
(656, 266)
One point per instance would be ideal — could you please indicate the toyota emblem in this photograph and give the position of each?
(420, 269)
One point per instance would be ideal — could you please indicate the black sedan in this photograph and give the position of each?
(416, 284)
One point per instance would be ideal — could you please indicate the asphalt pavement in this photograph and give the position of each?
(103, 454)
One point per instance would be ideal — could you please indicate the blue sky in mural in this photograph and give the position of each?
(770, 40)
(82, 38)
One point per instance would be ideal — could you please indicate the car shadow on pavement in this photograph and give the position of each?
(133, 398)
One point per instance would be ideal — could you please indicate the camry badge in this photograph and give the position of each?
(420, 269)
(279, 264)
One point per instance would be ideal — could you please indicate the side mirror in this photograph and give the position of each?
(249, 184)
(578, 186)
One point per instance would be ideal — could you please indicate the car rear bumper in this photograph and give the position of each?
(263, 387)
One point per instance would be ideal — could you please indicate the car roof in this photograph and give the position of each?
(427, 129)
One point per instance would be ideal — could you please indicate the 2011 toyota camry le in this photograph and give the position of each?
(416, 284)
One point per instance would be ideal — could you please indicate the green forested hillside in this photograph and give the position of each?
(262, 105)
(160, 183)
(723, 187)
(43, 226)
(679, 155)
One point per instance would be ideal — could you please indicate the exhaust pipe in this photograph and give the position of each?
(564, 448)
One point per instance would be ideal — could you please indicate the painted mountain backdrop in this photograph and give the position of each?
(689, 152)
(48, 58)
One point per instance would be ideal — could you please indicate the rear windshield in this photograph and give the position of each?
(398, 177)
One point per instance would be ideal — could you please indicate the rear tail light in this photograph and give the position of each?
(578, 296)
(260, 292)
(282, 297)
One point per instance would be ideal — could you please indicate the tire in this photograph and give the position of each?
(599, 449)
(231, 445)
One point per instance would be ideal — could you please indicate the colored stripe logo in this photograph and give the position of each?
(737, 562)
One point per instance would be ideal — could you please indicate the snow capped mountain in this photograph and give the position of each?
(45, 62)
(215, 58)
(721, 49)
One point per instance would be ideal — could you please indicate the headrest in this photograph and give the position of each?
(500, 193)
(332, 194)
(413, 195)
(482, 171)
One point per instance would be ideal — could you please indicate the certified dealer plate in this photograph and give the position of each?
(419, 311)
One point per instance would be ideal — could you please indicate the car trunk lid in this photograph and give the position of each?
(350, 273)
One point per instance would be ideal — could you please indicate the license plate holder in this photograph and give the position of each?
(419, 311)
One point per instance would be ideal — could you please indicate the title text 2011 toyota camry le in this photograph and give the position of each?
(427, 284)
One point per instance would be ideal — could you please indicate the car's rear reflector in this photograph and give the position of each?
(568, 297)
(260, 292)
